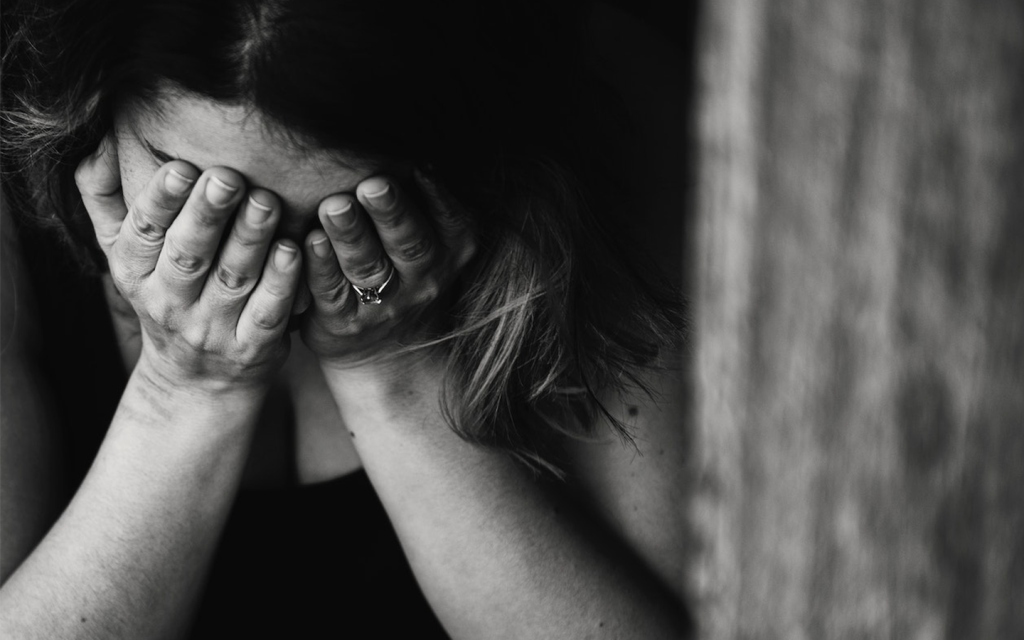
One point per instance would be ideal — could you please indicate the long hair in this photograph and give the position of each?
(494, 96)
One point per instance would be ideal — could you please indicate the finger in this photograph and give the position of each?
(140, 240)
(98, 178)
(404, 233)
(360, 254)
(331, 292)
(241, 258)
(453, 223)
(267, 310)
(131, 238)
(191, 241)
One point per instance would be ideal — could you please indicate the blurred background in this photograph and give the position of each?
(855, 254)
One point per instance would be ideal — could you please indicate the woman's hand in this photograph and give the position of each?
(213, 312)
(379, 268)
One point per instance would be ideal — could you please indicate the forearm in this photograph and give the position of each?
(497, 553)
(128, 556)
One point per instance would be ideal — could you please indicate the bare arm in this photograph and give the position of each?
(500, 555)
(497, 552)
(128, 555)
(123, 537)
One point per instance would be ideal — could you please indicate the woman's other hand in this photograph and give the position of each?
(379, 269)
(213, 312)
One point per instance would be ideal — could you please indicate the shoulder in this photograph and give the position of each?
(637, 487)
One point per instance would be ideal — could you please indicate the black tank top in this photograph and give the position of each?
(304, 561)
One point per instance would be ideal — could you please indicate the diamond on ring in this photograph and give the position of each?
(371, 295)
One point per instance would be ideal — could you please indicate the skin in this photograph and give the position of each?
(497, 552)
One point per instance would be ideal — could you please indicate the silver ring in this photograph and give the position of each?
(371, 295)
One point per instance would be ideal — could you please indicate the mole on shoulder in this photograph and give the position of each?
(633, 411)
(351, 434)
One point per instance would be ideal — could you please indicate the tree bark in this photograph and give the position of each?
(859, 261)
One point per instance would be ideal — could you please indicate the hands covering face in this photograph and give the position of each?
(196, 258)
(379, 267)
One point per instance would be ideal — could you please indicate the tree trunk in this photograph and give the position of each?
(859, 261)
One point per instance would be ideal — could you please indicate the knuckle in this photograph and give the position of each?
(266, 317)
(207, 217)
(389, 219)
(368, 271)
(278, 291)
(334, 297)
(232, 280)
(454, 226)
(416, 250)
(197, 336)
(249, 238)
(442, 205)
(354, 235)
(143, 226)
(161, 313)
(324, 283)
(184, 262)
(166, 202)
(447, 214)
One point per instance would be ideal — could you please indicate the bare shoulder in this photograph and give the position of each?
(637, 488)
(29, 461)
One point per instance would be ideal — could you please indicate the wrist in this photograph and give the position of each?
(385, 374)
(395, 385)
(166, 394)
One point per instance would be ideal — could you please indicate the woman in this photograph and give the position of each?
(403, 185)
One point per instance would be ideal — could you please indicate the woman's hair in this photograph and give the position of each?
(494, 96)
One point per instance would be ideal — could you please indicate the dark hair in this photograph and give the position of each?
(493, 95)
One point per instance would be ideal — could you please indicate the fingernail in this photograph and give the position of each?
(321, 247)
(257, 212)
(218, 192)
(383, 197)
(176, 183)
(284, 256)
(337, 212)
